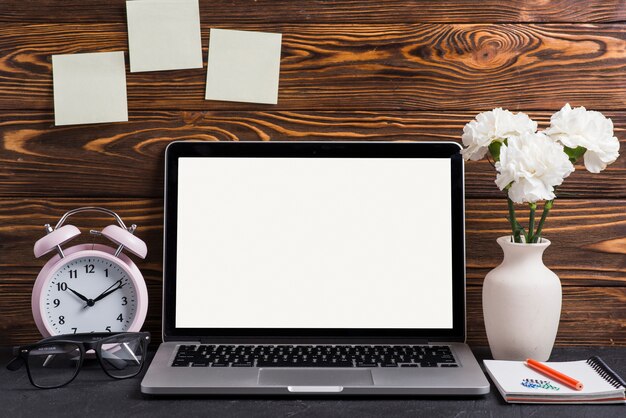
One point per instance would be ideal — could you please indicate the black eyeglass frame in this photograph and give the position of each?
(84, 342)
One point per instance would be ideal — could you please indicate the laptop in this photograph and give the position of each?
(332, 268)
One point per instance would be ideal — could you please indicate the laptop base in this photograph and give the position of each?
(163, 379)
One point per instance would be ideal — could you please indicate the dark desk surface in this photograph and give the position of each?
(94, 394)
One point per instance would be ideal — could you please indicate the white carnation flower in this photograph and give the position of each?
(495, 125)
(533, 164)
(579, 127)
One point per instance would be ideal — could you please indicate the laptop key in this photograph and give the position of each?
(427, 364)
(313, 356)
(366, 364)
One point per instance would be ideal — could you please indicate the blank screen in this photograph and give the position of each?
(314, 243)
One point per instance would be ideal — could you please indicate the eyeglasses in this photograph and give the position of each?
(55, 361)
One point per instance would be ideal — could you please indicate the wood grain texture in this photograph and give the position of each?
(590, 316)
(586, 239)
(340, 11)
(38, 159)
(350, 70)
(359, 67)
(584, 251)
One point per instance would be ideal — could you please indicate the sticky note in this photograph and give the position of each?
(89, 88)
(164, 35)
(243, 66)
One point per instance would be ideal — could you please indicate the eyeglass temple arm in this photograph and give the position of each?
(18, 361)
(15, 364)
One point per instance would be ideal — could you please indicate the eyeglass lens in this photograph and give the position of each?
(54, 364)
(122, 356)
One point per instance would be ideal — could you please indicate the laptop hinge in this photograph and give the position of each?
(310, 341)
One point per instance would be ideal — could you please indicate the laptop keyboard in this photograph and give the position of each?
(314, 356)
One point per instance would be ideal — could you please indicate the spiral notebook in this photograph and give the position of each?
(520, 384)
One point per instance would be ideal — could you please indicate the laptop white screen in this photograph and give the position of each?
(314, 243)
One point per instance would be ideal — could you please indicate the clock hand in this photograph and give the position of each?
(90, 302)
(78, 294)
(108, 292)
(117, 283)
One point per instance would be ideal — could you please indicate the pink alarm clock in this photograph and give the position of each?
(89, 287)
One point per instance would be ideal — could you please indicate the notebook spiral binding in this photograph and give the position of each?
(605, 372)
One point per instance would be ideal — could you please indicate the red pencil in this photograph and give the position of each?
(554, 374)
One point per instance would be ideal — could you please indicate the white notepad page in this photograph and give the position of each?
(508, 376)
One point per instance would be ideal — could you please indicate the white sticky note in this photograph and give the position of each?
(89, 88)
(164, 35)
(244, 66)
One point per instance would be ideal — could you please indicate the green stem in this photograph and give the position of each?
(546, 209)
(531, 223)
(515, 226)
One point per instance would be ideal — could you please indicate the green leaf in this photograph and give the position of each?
(494, 150)
(574, 154)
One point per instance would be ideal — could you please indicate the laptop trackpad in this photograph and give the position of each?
(315, 378)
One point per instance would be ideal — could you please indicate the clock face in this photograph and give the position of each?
(89, 294)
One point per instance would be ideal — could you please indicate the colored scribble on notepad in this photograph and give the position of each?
(539, 384)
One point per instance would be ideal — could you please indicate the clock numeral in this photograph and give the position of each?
(120, 318)
(108, 328)
(89, 268)
(61, 287)
(124, 301)
(74, 329)
(73, 274)
(56, 302)
(61, 320)
(106, 272)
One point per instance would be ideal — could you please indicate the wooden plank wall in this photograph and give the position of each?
(350, 70)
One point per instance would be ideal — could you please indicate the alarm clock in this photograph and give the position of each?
(89, 287)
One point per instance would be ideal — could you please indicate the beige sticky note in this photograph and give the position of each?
(243, 66)
(89, 88)
(164, 35)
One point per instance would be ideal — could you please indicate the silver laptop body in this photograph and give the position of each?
(306, 251)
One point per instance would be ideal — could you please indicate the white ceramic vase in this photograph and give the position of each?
(521, 303)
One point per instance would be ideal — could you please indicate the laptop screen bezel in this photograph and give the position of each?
(449, 150)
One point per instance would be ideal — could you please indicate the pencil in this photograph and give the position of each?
(554, 374)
